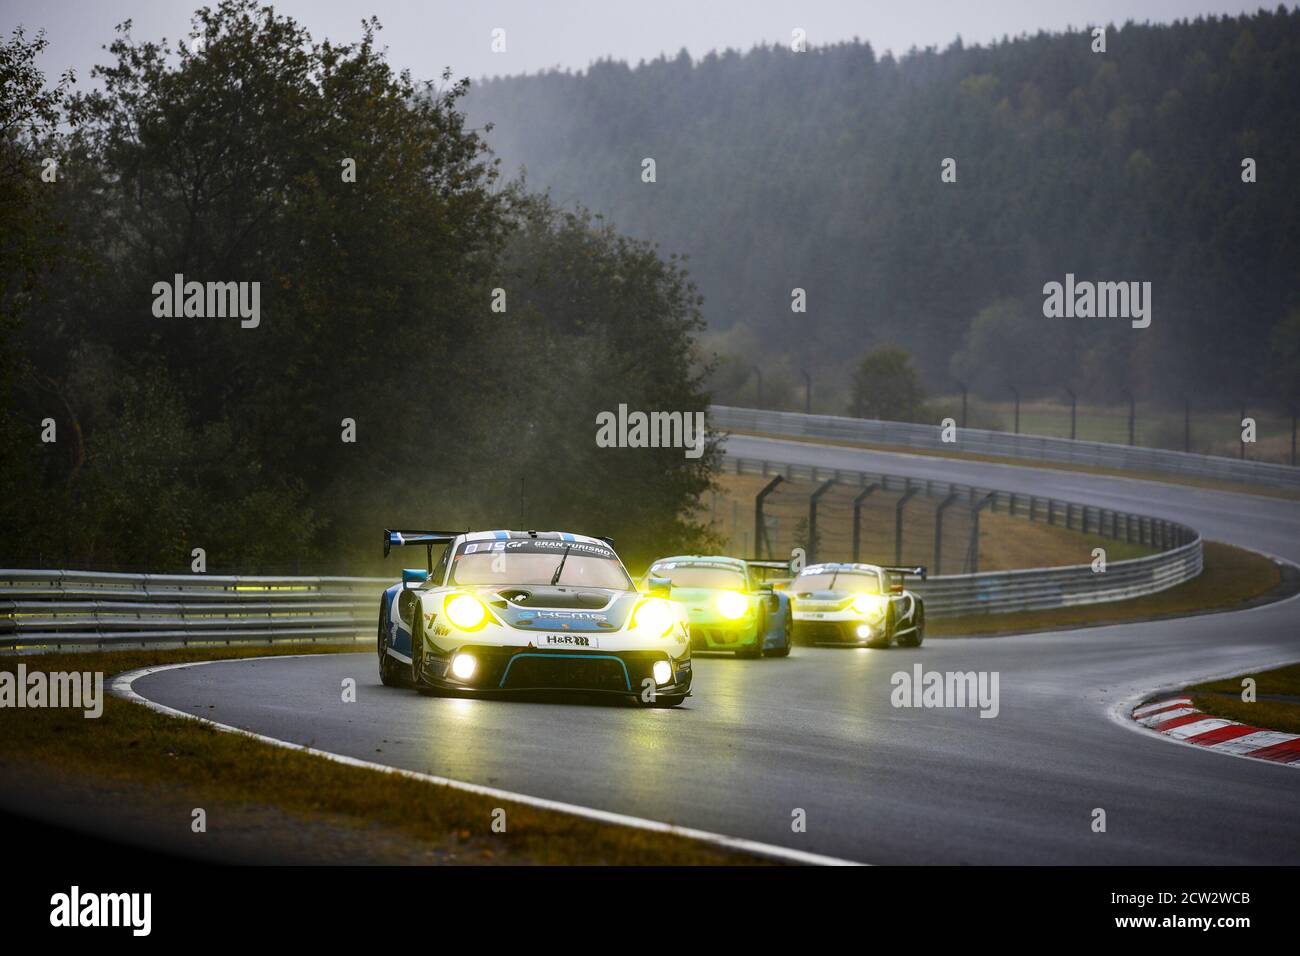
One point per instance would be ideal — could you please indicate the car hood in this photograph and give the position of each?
(698, 596)
(823, 597)
(544, 608)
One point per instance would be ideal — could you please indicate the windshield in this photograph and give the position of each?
(535, 562)
(700, 575)
(866, 582)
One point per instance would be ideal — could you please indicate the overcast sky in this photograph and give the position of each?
(426, 36)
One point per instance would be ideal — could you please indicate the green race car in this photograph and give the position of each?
(730, 604)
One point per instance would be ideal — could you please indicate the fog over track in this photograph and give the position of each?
(817, 731)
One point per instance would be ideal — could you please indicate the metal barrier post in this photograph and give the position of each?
(938, 530)
(760, 531)
(812, 517)
(908, 493)
(857, 517)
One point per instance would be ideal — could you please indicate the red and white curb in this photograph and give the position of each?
(1177, 718)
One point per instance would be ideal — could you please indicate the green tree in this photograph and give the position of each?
(886, 386)
(227, 162)
(30, 242)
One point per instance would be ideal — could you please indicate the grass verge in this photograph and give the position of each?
(142, 773)
(1222, 698)
(1232, 578)
(1210, 483)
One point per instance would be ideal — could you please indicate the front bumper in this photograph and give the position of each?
(719, 634)
(836, 627)
(513, 669)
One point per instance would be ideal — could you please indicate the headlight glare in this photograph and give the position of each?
(465, 611)
(654, 615)
(869, 605)
(732, 605)
(463, 666)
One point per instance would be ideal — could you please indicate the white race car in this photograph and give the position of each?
(530, 610)
(857, 604)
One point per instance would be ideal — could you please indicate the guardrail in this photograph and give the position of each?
(1032, 589)
(90, 607)
(58, 608)
(976, 441)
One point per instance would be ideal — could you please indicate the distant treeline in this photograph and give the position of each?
(821, 170)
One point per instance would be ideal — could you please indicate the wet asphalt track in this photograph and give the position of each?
(817, 731)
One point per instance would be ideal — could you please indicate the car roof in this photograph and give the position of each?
(506, 535)
(737, 563)
(841, 566)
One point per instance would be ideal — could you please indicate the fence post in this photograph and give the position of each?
(760, 530)
(812, 517)
(908, 492)
(938, 529)
(973, 550)
(857, 517)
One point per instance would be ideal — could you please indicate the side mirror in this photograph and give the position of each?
(413, 576)
(660, 587)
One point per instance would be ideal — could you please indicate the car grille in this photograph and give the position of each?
(703, 636)
(818, 631)
(556, 671)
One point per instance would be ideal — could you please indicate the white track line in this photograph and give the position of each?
(122, 687)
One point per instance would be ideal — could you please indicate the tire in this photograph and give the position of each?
(389, 669)
(916, 637)
(788, 633)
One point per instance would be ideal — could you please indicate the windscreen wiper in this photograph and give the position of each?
(555, 578)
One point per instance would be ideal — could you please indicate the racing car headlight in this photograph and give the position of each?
(655, 615)
(463, 666)
(732, 605)
(465, 611)
(663, 672)
(869, 605)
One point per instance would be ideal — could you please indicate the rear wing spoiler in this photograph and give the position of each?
(764, 563)
(783, 569)
(912, 570)
(401, 538)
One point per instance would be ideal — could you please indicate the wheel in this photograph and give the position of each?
(787, 635)
(915, 638)
(389, 669)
